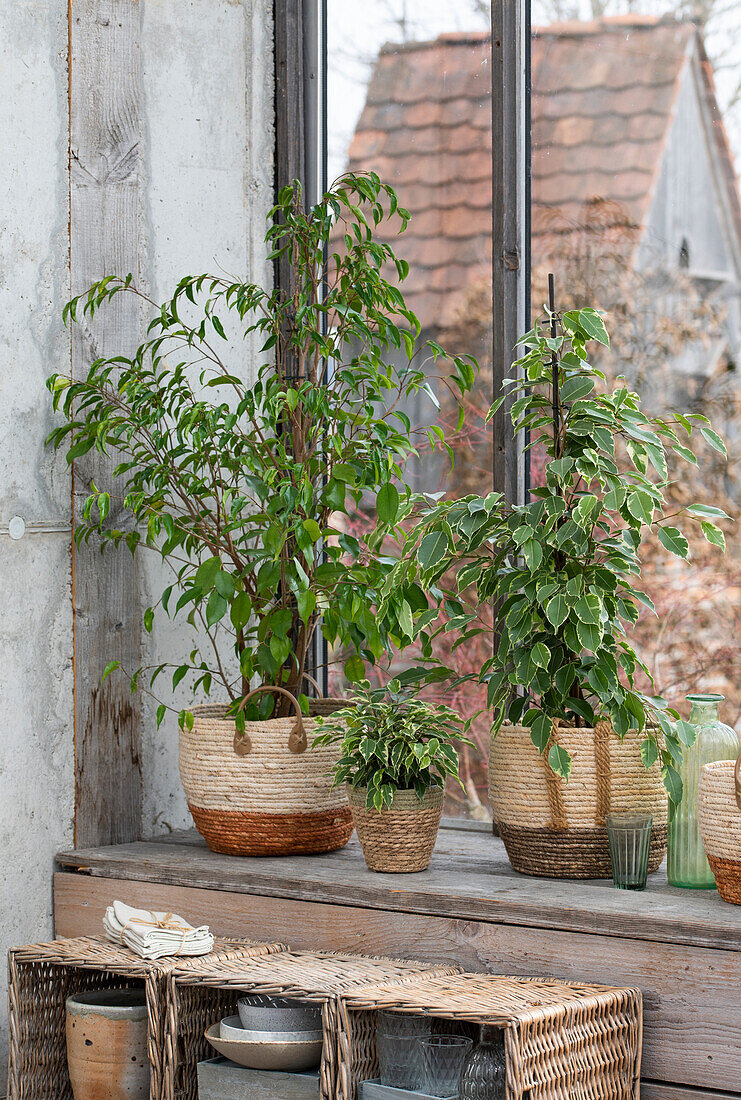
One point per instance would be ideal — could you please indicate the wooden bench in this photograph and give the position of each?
(681, 947)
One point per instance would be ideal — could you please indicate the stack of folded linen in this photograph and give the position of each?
(155, 935)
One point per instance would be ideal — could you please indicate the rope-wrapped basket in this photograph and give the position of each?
(556, 828)
(401, 837)
(264, 792)
(719, 820)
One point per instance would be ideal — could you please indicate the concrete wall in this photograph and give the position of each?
(207, 108)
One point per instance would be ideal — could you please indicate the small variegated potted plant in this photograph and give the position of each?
(573, 736)
(396, 752)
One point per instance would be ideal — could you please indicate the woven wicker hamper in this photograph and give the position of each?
(200, 993)
(265, 792)
(557, 829)
(562, 1039)
(719, 819)
(40, 978)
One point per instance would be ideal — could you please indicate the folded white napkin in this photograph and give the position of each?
(155, 935)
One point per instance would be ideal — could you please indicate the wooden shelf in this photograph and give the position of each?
(681, 947)
(470, 878)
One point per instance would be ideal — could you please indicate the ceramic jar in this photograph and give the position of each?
(107, 1045)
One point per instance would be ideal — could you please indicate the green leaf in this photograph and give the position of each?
(640, 505)
(649, 752)
(109, 668)
(334, 494)
(432, 549)
(575, 388)
(589, 609)
(306, 602)
(216, 608)
(713, 534)
(672, 539)
(387, 503)
(672, 782)
(540, 730)
(593, 324)
(560, 761)
(557, 610)
(312, 528)
(713, 439)
(406, 621)
(540, 655)
(355, 668)
(149, 619)
(686, 733)
(532, 552)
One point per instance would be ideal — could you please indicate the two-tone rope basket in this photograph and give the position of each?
(40, 978)
(719, 820)
(562, 1039)
(203, 991)
(264, 792)
(555, 828)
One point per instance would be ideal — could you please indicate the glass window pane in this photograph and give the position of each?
(409, 96)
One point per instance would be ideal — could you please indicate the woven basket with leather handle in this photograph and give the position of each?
(719, 819)
(556, 828)
(264, 792)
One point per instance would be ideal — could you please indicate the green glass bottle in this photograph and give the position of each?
(687, 864)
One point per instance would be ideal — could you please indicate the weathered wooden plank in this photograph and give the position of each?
(105, 238)
(469, 877)
(652, 1090)
(692, 998)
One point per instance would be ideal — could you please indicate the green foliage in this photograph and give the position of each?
(562, 570)
(245, 489)
(393, 741)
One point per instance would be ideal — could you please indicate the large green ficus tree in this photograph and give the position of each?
(563, 570)
(245, 488)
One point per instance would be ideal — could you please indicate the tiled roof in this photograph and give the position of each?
(602, 100)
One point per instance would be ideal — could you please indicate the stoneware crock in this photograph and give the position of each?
(107, 1045)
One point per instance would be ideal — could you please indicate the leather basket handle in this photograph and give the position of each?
(737, 781)
(297, 740)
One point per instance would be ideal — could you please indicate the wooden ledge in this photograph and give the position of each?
(469, 879)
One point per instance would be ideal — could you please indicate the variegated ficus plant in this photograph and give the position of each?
(563, 570)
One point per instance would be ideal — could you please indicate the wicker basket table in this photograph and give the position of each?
(204, 991)
(563, 1040)
(40, 978)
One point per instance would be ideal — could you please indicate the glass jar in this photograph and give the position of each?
(485, 1069)
(687, 864)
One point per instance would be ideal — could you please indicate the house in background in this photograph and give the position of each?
(633, 184)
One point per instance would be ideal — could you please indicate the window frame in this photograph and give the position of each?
(300, 153)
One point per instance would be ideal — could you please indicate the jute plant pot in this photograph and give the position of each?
(264, 793)
(400, 838)
(557, 829)
(719, 819)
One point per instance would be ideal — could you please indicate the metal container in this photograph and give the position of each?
(220, 1079)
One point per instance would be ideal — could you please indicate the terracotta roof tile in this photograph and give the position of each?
(602, 101)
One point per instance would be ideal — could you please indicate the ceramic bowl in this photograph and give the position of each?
(269, 1052)
(263, 1013)
(231, 1028)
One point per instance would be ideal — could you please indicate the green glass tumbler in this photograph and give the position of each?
(687, 863)
(629, 836)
